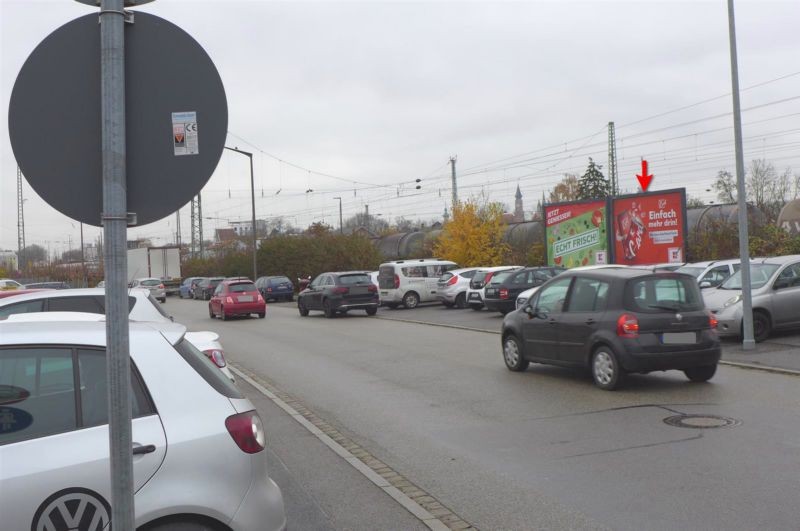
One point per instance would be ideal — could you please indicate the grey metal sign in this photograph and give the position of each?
(176, 118)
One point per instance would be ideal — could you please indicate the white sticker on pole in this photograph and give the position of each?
(184, 133)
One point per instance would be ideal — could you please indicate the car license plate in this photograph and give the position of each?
(384, 292)
(679, 338)
(474, 296)
(245, 298)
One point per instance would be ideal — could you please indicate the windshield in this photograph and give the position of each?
(694, 271)
(759, 275)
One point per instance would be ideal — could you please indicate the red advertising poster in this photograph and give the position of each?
(650, 228)
(576, 233)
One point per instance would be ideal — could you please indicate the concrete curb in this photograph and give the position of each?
(421, 504)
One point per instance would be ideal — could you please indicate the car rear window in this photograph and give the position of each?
(280, 280)
(663, 293)
(499, 278)
(205, 368)
(241, 287)
(479, 276)
(446, 277)
(215, 281)
(351, 280)
(151, 282)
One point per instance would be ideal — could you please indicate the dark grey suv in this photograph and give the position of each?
(335, 293)
(615, 321)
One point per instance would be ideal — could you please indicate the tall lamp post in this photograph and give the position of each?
(341, 227)
(253, 205)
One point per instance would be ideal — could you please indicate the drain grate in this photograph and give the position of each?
(701, 422)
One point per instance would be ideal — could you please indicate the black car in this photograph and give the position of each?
(338, 293)
(502, 290)
(615, 321)
(276, 288)
(205, 288)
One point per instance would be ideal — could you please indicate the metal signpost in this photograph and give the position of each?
(124, 123)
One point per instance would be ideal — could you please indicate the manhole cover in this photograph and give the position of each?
(700, 422)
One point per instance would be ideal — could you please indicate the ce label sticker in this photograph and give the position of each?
(72, 509)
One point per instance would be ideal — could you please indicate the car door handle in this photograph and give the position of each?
(147, 449)
(552, 321)
(590, 321)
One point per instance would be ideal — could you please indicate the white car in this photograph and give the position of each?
(54, 466)
(523, 297)
(92, 300)
(8, 284)
(476, 291)
(409, 282)
(155, 285)
(711, 274)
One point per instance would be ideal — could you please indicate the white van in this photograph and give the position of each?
(409, 282)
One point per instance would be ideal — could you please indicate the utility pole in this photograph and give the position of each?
(748, 342)
(196, 220)
(341, 226)
(83, 261)
(366, 216)
(612, 159)
(455, 186)
(178, 227)
(252, 205)
(20, 221)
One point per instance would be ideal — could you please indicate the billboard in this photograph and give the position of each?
(576, 233)
(649, 228)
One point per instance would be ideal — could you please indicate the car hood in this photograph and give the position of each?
(715, 298)
(528, 292)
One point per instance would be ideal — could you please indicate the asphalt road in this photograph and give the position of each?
(543, 449)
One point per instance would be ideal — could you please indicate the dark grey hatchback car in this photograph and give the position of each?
(615, 321)
(335, 293)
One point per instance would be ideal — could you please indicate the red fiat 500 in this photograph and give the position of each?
(236, 297)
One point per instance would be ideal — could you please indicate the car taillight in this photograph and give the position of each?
(503, 293)
(269, 290)
(228, 300)
(396, 281)
(340, 290)
(247, 431)
(161, 286)
(452, 280)
(627, 325)
(259, 298)
(712, 320)
(372, 288)
(217, 356)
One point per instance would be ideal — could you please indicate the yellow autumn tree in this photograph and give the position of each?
(474, 235)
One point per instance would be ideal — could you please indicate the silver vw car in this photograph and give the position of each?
(198, 444)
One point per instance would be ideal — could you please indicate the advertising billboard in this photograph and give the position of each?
(650, 228)
(576, 233)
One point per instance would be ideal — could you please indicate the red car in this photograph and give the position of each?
(236, 297)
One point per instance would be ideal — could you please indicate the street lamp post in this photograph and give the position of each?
(253, 205)
(341, 227)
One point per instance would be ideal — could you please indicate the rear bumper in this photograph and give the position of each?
(261, 508)
(356, 305)
(447, 296)
(500, 305)
(638, 358)
(244, 308)
(390, 296)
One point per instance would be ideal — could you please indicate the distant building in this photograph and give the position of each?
(224, 235)
(245, 228)
(519, 212)
(8, 260)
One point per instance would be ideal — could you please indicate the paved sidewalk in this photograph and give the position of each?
(781, 351)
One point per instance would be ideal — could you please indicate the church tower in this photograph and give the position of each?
(519, 213)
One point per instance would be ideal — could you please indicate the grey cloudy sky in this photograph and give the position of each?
(381, 93)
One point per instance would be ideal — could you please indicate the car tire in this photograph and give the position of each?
(163, 301)
(222, 313)
(512, 354)
(607, 372)
(762, 326)
(302, 308)
(211, 312)
(504, 312)
(701, 374)
(262, 315)
(476, 307)
(392, 305)
(447, 304)
(410, 300)
(461, 301)
(372, 311)
(330, 313)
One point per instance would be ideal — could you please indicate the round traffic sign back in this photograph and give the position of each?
(176, 118)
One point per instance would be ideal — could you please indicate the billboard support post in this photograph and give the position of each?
(748, 342)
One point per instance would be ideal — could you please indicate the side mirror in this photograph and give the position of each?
(533, 312)
(705, 284)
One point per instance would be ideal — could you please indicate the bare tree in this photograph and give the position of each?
(566, 190)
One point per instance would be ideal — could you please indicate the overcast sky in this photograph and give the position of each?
(381, 93)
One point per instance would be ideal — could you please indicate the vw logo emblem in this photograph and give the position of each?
(679, 317)
(72, 509)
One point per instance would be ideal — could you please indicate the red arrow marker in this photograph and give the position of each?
(644, 179)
